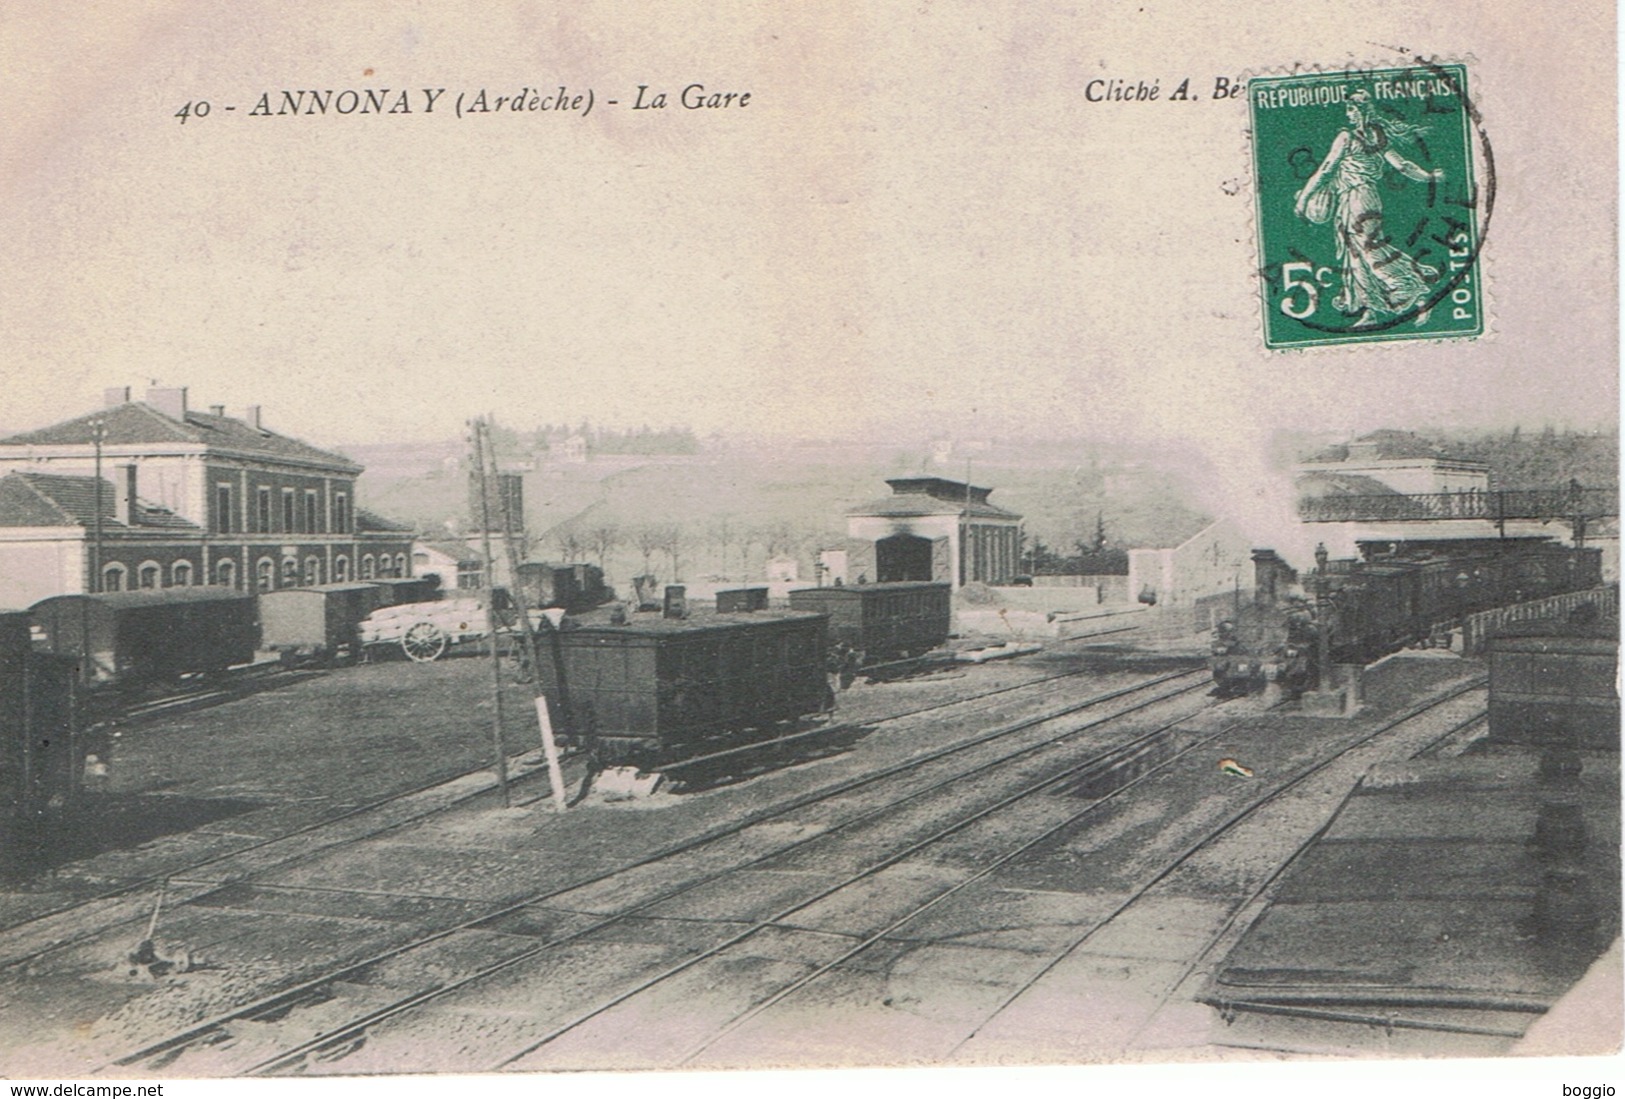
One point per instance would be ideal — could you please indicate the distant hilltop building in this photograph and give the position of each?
(1392, 488)
(931, 528)
(573, 449)
(184, 498)
(1388, 462)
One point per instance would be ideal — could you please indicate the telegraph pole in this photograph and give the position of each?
(491, 623)
(1323, 625)
(555, 774)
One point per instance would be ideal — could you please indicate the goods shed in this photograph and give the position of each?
(931, 528)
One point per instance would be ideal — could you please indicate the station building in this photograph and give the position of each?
(183, 498)
(1216, 563)
(457, 565)
(1392, 488)
(931, 528)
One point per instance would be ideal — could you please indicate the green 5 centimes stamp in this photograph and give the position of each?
(1370, 218)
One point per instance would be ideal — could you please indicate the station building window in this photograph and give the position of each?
(180, 574)
(290, 573)
(400, 565)
(314, 520)
(341, 513)
(148, 574)
(287, 510)
(366, 567)
(223, 511)
(262, 508)
(265, 574)
(341, 569)
(225, 573)
(113, 578)
(313, 571)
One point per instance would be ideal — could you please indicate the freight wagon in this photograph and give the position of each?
(572, 587)
(321, 622)
(1553, 684)
(39, 769)
(406, 589)
(882, 622)
(655, 688)
(146, 637)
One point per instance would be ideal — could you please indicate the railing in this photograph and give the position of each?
(1502, 504)
(1476, 629)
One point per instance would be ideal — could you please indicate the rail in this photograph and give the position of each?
(1477, 629)
(1496, 506)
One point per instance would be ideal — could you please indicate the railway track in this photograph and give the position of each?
(394, 1027)
(761, 836)
(1245, 902)
(741, 1034)
(47, 927)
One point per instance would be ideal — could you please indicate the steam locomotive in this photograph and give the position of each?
(1391, 597)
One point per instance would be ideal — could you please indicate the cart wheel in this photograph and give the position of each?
(423, 642)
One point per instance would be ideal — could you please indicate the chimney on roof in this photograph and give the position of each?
(217, 410)
(253, 417)
(128, 509)
(115, 396)
(170, 401)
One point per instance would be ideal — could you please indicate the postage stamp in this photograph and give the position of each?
(1370, 216)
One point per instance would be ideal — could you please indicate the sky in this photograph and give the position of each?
(917, 220)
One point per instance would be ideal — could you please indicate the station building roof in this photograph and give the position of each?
(1386, 445)
(371, 521)
(135, 423)
(934, 496)
(56, 500)
(1330, 483)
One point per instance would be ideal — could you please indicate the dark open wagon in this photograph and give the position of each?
(656, 689)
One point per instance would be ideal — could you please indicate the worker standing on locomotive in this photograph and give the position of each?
(1296, 654)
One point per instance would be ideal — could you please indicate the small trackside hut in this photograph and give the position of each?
(1554, 685)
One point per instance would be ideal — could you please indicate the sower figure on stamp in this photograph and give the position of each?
(1378, 278)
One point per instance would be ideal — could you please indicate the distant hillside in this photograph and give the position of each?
(731, 507)
(1519, 459)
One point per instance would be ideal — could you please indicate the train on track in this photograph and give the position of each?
(138, 639)
(1391, 597)
(634, 688)
(637, 687)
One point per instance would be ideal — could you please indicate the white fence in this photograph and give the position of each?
(1476, 629)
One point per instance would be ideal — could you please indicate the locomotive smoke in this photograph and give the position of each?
(1235, 480)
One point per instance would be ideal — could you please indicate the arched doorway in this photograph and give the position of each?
(902, 557)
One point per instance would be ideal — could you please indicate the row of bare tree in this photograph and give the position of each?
(727, 539)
